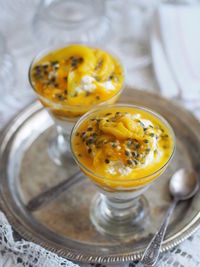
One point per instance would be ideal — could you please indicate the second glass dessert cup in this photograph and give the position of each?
(120, 209)
(64, 117)
(64, 21)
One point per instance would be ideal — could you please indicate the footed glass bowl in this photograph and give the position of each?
(65, 21)
(122, 176)
(63, 114)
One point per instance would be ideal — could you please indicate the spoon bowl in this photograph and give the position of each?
(183, 184)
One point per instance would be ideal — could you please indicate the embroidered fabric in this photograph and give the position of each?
(23, 253)
(27, 254)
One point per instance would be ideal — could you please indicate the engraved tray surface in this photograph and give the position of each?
(64, 226)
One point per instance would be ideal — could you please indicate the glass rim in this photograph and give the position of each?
(61, 21)
(155, 114)
(74, 107)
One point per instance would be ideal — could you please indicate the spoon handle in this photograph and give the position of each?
(50, 194)
(152, 252)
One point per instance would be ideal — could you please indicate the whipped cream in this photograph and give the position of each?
(132, 116)
(108, 85)
(118, 167)
(89, 84)
(86, 84)
(146, 123)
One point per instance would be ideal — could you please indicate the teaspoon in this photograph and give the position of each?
(183, 185)
(52, 193)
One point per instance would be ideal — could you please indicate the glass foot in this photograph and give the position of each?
(119, 218)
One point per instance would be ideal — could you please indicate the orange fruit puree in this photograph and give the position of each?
(122, 147)
(72, 79)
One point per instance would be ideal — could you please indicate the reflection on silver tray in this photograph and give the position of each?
(64, 226)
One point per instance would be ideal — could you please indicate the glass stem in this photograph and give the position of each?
(63, 140)
(120, 210)
(119, 215)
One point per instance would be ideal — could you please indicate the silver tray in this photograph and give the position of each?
(64, 226)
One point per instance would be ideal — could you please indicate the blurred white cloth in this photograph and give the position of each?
(175, 44)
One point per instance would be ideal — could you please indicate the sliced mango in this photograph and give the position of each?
(71, 83)
(89, 60)
(98, 158)
(105, 65)
(134, 127)
(116, 129)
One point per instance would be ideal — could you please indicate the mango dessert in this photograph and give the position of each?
(71, 80)
(122, 146)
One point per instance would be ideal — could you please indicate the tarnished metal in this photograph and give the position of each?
(64, 226)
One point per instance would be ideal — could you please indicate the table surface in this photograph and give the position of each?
(15, 24)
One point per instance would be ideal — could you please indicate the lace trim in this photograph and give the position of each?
(23, 253)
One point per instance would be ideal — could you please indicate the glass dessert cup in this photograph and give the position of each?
(120, 209)
(64, 117)
(64, 21)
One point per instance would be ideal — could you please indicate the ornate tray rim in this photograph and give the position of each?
(169, 243)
